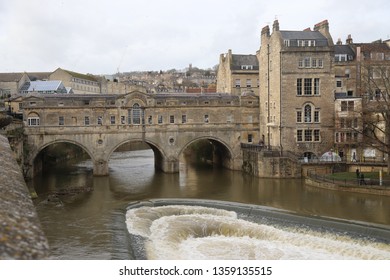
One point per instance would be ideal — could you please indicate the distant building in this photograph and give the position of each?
(45, 87)
(80, 83)
(238, 74)
(11, 83)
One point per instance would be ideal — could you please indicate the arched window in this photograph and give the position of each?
(136, 114)
(307, 112)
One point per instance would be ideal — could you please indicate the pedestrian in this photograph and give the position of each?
(362, 179)
(357, 173)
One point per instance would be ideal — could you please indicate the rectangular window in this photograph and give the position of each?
(316, 135)
(183, 118)
(307, 62)
(351, 105)
(300, 63)
(86, 120)
(150, 120)
(248, 83)
(33, 121)
(320, 63)
(238, 83)
(308, 86)
(308, 135)
(314, 63)
(229, 119)
(100, 120)
(123, 119)
(206, 118)
(250, 138)
(299, 86)
(316, 116)
(160, 119)
(316, 86)
(61, 120)
(299, 135)
(299, 116)
(171, 119)
(339, 84)
(112, 119)
(344, 106)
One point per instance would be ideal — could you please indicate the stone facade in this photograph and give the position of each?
(297, 90)
(167, 122)
(238, 74)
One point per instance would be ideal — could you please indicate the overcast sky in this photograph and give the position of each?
(100, 36)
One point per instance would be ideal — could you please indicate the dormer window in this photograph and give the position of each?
(246, 67)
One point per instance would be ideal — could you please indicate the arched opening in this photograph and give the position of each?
(207, 152)
(62, 170)
(133, 165)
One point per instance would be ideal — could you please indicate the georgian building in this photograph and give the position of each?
(238, 74)
(80, 83)
(297, 89)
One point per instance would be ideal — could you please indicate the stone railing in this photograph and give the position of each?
(21, 236)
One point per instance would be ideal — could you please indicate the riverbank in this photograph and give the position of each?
(340, 186)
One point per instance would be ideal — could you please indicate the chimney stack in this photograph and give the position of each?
(275, 26)
(349, 40)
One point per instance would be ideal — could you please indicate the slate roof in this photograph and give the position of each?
(294, 36)
(344, 49)
(244, 59)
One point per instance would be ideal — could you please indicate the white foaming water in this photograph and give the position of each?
(195, 232)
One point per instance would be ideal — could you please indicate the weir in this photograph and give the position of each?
(208, 229)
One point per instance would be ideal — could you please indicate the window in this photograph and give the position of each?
(299, 135)
(316, 116)
(150, 120)
(229, 119)
(308, 135)
(316, 86)
(307, 62)
(300, 63)
(183, 118)
(171, 119)
(33, 121)
(339, 84)
(86, 120)
(307, 114)
(299, 116)
(286, 43)
(100, 120)
(313, 63)
(320, 63)
(61, 120)
(206, 118)
(316, 135)
(250, 138)
(347, 106)
(238, 83)
(136, 114)
(123, 119)
(160, 119)
(307, 86)
(299, 86)
(112, 119)
(248, 83)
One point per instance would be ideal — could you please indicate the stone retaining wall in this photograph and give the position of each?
(21, 235)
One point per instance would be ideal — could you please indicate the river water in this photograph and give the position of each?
(92, 224)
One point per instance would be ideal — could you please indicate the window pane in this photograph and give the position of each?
(308, 87)
(299, 86)
(307, 113)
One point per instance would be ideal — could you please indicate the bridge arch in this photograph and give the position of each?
(222, 154)
(159, 155)
(35, 153)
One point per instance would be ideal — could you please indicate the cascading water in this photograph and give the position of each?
(197, 232)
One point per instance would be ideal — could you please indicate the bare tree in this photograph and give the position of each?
(376, 107)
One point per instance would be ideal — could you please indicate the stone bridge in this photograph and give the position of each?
(168, 123)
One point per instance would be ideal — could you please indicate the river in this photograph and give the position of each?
(91, 225)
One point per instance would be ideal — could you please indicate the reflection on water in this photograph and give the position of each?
(195, 232)
(83, 226)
